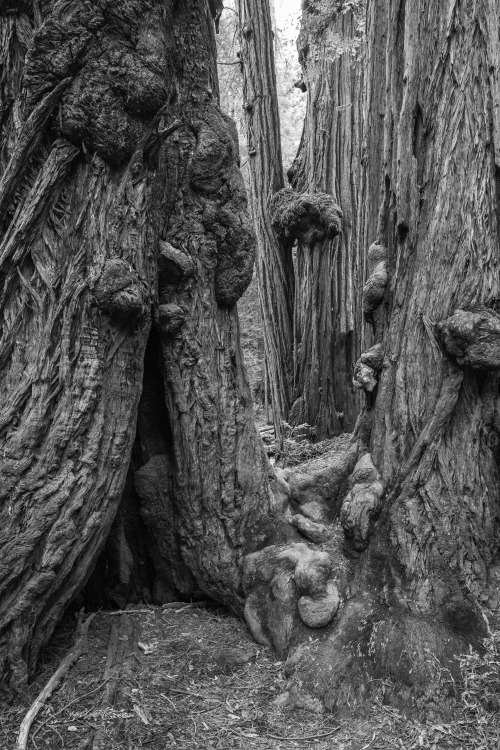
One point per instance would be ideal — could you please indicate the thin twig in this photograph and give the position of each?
(64, 708)
(126, 612)
(53, 683)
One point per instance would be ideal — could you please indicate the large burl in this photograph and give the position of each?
(472, 338)
(216, 178)
(307, 218)
(119, 82)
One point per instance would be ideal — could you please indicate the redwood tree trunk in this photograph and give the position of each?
(435, 436)
(417, 572)
(431, 563)
(274, 260)
(327, 312)
(121, 206)
(77, 280)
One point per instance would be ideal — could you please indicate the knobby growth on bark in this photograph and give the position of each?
(327, 325)
(125, 244)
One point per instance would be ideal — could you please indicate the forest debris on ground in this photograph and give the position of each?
(207, 685)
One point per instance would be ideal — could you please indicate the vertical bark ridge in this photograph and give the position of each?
(442, 232)
(71, 372)
(273, 261)
(327, 311)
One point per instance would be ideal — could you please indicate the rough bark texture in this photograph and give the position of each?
(434, 437)
(328, 271)
(274, 260)
(428, 565)
(71, 369)
(122, 205)
(420, 518)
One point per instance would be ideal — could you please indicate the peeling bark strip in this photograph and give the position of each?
(26, 145)
(16, 241)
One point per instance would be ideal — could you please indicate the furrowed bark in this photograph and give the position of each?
(417, 569)
(71, 374)
(223, 503)
(129, 209)
(328, 272)
(273, 261)
(442, 234)
(430, 564)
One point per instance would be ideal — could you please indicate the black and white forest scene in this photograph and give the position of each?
(249, 374)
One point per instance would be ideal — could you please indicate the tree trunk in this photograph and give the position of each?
(418, 567)
(122, 205)
(77, 280)
(274, 260)
(328, 274)
(435, 435)
(431, 563)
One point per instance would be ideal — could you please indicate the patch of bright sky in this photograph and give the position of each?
(284, 9)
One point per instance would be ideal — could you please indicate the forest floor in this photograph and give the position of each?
(189, 677)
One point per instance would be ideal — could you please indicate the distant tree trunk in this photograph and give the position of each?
(273, 261)
(121, 206)
(327, 313)
(310, 310)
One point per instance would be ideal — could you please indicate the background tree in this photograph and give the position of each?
(327, 310)
(291, 104)
(321, 298)
(273, 260)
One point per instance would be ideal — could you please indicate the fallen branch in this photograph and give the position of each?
(71, 703)
(53, 683)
